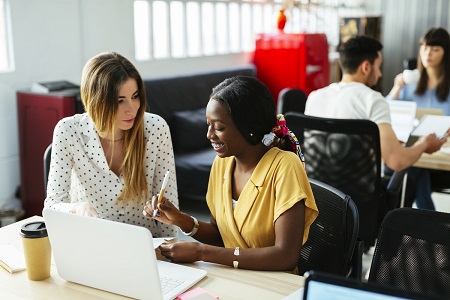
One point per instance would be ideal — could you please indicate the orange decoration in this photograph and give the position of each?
(281, 20)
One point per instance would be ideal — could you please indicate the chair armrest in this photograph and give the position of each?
(394, 188)
(356, 262)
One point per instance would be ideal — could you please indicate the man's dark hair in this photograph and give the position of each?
(356, 50)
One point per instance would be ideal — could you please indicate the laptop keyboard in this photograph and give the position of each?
(169, 283)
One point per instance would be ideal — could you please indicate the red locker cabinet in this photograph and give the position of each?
(37, 116)
(292, 60)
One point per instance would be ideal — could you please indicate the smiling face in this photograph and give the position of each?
(128, 106)
(225, 137)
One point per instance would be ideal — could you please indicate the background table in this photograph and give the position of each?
(438, 160)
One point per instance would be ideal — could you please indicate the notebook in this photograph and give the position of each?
(319, 286)
(430, 124)
(113, 256)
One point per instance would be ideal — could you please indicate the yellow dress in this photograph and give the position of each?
(277, 183)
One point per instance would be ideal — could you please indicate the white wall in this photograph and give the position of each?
(52, 39)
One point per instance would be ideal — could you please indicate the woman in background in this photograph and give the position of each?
(431, 91)
(433, 63)
(259, 196)
(110, 160)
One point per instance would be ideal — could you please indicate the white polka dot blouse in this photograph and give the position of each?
(79, 172)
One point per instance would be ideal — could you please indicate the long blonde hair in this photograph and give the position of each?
(101, 80)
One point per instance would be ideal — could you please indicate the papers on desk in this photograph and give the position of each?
(446, 150)
(432, 124)
(403, 118)
(429, 124)
(11, 258)
(403, 115)
(159, 241)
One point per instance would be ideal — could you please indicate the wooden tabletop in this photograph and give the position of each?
(439, 160)
(223, 281)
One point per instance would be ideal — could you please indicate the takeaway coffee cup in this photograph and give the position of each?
(37, 250)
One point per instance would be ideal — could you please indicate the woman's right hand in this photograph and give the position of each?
(399, 82)
(168, 213)
(84, 209)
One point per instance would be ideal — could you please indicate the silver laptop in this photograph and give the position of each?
(115, 257)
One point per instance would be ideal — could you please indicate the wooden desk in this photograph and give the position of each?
(438, 160)
(226, 282)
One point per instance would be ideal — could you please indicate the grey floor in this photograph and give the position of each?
(200, 210)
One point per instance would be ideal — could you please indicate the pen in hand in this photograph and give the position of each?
(161, 194)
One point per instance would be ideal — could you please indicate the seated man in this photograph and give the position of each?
(352, 98)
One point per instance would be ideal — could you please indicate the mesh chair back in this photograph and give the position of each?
(346, 155)
(333, 235)
(413, 251)
(291, 99)
(346, 160)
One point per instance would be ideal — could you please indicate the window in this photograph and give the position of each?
(166, 29)
(5, 43)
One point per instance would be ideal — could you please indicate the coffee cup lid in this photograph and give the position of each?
(34, 230)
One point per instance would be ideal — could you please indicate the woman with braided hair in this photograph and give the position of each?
(259, 196)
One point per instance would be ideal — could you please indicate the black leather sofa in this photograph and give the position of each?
(181, 101)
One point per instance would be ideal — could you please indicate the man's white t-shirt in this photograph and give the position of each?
(348, 100)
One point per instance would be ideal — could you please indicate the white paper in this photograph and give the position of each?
(432, 124)
(446, 150)
(403, 114)
(11, 258)
(159, 241)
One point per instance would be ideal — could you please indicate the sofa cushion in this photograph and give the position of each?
(188, 130)
(193, 173)
(187, 92)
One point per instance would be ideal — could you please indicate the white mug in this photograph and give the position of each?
(411, 76)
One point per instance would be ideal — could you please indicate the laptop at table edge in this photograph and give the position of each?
(112, 256)
(358, 285)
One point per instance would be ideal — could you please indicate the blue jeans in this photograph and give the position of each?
(423, 187)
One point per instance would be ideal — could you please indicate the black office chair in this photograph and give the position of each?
(440, 182)
(346, 155)
(332, 243)
(413, 251)
(291, 99)
(47, 159)
(410, 63)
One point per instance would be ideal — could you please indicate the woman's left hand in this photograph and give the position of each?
(181, 251)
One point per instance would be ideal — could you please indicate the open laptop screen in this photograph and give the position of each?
(321, 290)
(320, 286)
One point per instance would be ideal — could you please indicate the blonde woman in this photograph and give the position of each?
(108, 161)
